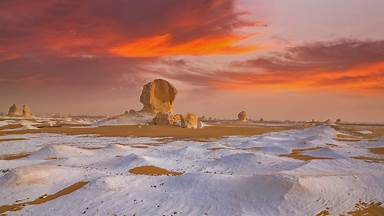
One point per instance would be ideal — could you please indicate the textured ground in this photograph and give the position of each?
(311, 171)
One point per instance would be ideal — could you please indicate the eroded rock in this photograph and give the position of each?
(191, 120)
(26, 111)
(242, 116)
(166, 118)
(14, 110)
(158, 96)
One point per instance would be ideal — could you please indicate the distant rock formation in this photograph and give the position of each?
(191, 120)
(242, 116)
(158, 96)
(26, 111)
(14, 111)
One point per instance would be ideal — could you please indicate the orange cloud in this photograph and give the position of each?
(359, 78)
(162, 45)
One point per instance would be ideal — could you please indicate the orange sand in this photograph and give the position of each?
(323, 213)
(347, 138)
(369, 159)
(153, 171)
(14, 156)
(42, 199)
(12, 139)
(157, 131)
(297, 154)
(363, 209)
(139, 146)
(11, 126)
(377, 150)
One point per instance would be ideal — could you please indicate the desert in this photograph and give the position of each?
(149, 164)
(191, 108)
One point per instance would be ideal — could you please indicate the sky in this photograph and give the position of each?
(275, 59)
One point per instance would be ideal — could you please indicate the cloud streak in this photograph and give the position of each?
(349, 65)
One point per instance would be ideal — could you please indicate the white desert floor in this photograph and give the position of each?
(230, 176)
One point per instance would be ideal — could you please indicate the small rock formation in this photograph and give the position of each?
(242, 116)
(177, 119)
(191, 120)
(166, 118)
(26, 111)
(158, 96)
(14, 110)
(338, 121)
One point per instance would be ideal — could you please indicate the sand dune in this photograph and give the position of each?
(289, 172)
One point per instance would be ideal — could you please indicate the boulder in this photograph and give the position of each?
(166, 118)
(242, 116)
(26, 111)
(177, 119)
(191, 120)
(158, 96)
(14, 110)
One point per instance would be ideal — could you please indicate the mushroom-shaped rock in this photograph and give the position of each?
(191, 120)
(242, 116)
(26, 111)
(14, 110)
(158, 96)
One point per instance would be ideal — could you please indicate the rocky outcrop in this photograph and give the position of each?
(14, 111)
(166, 118)
(191, 120)
(163, 118)
(242, 116)
(158, 96)
(26, 111)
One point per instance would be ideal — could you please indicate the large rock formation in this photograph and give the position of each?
(242, 116)
(158, 96)
(14, 110)
(191, 120)
(26, 111)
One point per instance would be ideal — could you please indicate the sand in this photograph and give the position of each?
(361, 209)
(379, 150)
(11, 139)
(14, 156)
(42, 199)
(153, 171)
(298, 154)
(157, 131)
(234, 175)
(367, 209)
(369, 159)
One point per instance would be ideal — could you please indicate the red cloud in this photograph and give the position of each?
(103, 28)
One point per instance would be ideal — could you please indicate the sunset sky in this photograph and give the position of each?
(276, 59)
